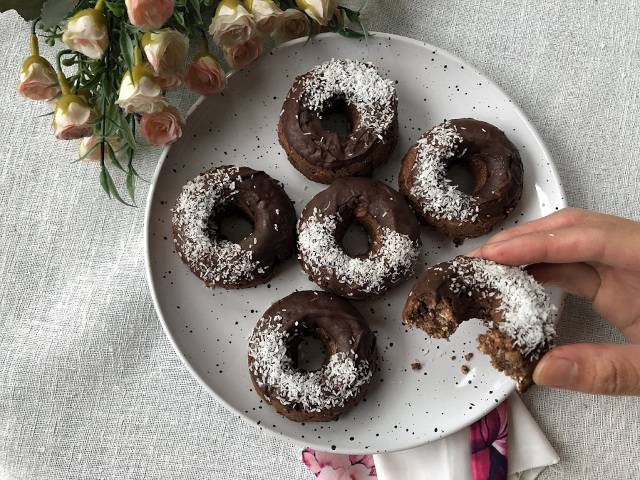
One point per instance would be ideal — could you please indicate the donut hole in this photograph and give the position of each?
(356, 239)
(230, 223)
(337, 117)
(468, 173)
(308, 351)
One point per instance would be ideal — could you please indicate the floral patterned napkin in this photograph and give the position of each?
(488, 438)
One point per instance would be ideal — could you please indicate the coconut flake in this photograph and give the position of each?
(359, 84)
(437, 194)
(527, 311)
(338, 381)
(218, 260)
(321, 253)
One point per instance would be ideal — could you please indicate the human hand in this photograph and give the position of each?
(591, 255)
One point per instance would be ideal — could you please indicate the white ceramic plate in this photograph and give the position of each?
(209, 328)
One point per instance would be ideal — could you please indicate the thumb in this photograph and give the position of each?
(605, 369)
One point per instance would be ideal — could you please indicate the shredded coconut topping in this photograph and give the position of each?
(528, 314)
(321, 252)
(217, 260)
(339, 380)
(359, 84)
(435, 191)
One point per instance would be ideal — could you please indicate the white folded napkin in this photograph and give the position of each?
(529, 453)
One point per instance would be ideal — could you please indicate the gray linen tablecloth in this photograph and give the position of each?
(89, 385)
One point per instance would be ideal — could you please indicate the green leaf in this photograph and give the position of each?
(112, 190)
(55, 11)
(131, 178)
(126, 48)
(27, 9)
(103, 179)
(113, 156)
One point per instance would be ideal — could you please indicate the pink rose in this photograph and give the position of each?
(205, 76)
(244, 54)
(72, 118)
(86, 33)
(38, 80)
(149, 14)
(162, 128)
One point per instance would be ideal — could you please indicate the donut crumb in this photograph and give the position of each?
(416, 365)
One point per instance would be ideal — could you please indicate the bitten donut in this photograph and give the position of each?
(344, 86)
(515, 307)
(217, 261)
(345, 374)
(393, 231)
(493, 161)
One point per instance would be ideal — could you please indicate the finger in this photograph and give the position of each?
(576, 278)
(567, 217)
(565, 245)
(605, 369)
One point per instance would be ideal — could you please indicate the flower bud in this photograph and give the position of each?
(90, 149)
(205, 75)
(87, 33)
(38, 80)
(244, 54)
(149, 14)
(265, 13)
(291, 24)
(140, 92)
(72, 118)
(166, 51)
(320, 10)
(232, 24)
(163, 127)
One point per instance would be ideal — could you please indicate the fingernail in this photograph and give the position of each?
(556, 372)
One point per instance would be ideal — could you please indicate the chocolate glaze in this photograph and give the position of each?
(438, 307)
(258, 198)
(373, 204)
(497, 171)
(337, 324)
(322, 155)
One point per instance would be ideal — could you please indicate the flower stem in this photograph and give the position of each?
(205, 42)
(62, 80)
(35, 48)
(99, 5)
(137, 56)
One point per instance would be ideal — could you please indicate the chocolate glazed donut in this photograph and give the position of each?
(392, 227)
(511, 303)
(347, 370)
(253, 194)
(354, 89)
(493, 161)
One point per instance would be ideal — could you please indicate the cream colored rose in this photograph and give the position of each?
(265, 13)
(38, 80)
(72, 118)
(149, 14)
(166, 51)
(244, 54)
(162, 128)
(205, 76)
(320, 10)
(90, 149)
(140, 92)
(87, 33)
(232, 24)
(291, 24)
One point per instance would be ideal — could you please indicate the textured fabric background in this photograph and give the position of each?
(90, 387)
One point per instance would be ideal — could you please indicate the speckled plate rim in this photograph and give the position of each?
(468, 420)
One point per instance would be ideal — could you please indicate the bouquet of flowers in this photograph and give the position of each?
(108, 84)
